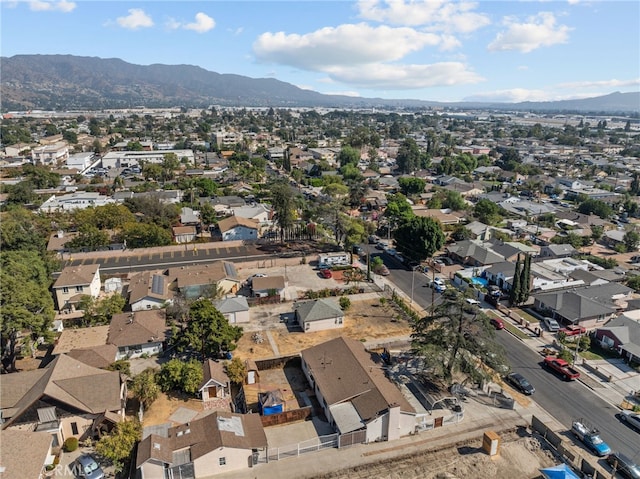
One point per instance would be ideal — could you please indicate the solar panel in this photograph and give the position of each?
(157, 284)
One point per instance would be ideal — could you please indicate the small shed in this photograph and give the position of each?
(112, 285)
(271, 402)
(252, 371)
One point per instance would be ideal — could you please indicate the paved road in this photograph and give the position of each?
(567, 401)
(119, 262)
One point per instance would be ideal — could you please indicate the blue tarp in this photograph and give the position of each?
(561, 471)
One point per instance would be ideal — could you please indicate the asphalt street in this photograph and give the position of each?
(567, 401)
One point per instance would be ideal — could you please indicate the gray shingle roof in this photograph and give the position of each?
(318, 310)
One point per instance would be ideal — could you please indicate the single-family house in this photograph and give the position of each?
(63, 398)
(50, 154)
(184, 234)
(623, 335)
(571, 308)
(268, 286)
(354, 392)
(91, 337)
(193, 281)
(215, 382)
(189, 216)
(443, 216)
(235, 309)
(217, 443)
(101, 356)
(74, 201)
(75, 282)
(473, 253)
(138, 333)
(319, 315)
(258, 212)
(558, 251)
(237, 228)
(147, 290)
(25, 454)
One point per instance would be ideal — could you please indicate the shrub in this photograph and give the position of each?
(344, 303)
(70, 444)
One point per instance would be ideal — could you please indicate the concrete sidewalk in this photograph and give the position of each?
(614, 392)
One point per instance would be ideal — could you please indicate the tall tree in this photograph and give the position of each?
(348, 156)
(408, 158)
(419, 238)
(208, 331)
(283, 201)
(514, 292)
(455, 338)
(117, 446)
(525, 280)
(145, 387)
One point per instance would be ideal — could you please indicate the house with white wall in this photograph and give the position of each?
(50, 154)
(354, 392)
(319, 315)
(238, 228)
(235, 309)
(148, 290)
(74, 201)
(138, 333)
(75, 282)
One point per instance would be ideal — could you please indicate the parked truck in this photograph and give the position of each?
(562, 368)
(590, 437)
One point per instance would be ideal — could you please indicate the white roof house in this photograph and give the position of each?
(74, 201)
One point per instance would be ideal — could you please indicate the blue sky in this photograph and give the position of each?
(430, 50)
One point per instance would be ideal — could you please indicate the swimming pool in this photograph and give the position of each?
(480, 281)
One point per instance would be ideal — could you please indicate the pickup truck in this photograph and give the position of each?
(591, 438)
(561, 367)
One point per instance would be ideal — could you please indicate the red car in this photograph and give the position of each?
(573, 330)
(326, 273)
(497, 323)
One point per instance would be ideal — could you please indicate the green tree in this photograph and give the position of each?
(348, 156)
(516, 285)
(419, 238)
(284, 206)
(90, 238)
(525, 281)
(454, 200)
(121, 365)
(408, 158)
(345, 303)
(487, 212)
(117, 446)
(597, 207)
(634, 282)
(208, 331)
(144, 235)
(21, 229)
(100, 311)
(456, 338)
(398, 208)
(177, 375)
(25, 300)
(145, 388)
(411, 186)
(236, 370)
(460, 233)
(631, 240)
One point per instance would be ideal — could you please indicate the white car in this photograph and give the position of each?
(551, 324)
(631, 418)
(472, 301)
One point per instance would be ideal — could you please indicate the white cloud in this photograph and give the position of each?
(236, 31)
(601, 84)
(539, 31)
(440, 15)
(401, 77)
(172, 24)
(48, 6)
(203, 23)
(136, 19)
(349, 44)
(523, 67)
(343, 93)
(513, 95)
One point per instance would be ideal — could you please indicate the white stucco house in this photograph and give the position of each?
(138, 333)
(148, 291)
(236, 309)
(238, 228)
(319, 315)
(74, 201)
(75, 282)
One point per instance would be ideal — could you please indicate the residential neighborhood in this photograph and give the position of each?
(215, 297)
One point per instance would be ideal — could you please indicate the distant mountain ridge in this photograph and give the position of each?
(68, 82)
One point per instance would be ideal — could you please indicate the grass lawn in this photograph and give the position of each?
(525, 315)
(594, 352)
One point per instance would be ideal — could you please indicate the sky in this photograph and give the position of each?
(437, 50)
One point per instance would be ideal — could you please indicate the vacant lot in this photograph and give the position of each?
(365, 320)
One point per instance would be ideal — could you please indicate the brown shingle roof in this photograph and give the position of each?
(67, 381)
(130, 329)
(71, 339)
(209, 273)
(98, 357)
(213, 370)
(268, 282)
(344, 371)
(184, 230)
(142, 286)
(232, 221)
(76, 275)
(219, 429)
(23, 453)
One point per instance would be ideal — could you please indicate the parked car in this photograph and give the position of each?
(382, 270)
(631, 418)
(635, 259)
(323, 266)
(624, 465)
(257, 275)
(472, 301)
(357, 250)
(326, 273)
(591, 438)
(573, 330)
(86, 467)
(373, 239)
(519, 382)
(496, 323)
(551, 324)
(381, 245)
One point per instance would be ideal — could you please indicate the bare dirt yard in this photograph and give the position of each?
(520, 457)
(163, 407)
(365, 320)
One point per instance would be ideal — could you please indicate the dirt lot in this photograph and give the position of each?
(520, 457)
(163, 407)
(365, 320)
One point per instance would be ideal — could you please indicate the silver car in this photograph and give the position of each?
(86, 467)
(551, 324)
(631, 418)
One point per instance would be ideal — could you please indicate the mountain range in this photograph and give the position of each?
(67, 82)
